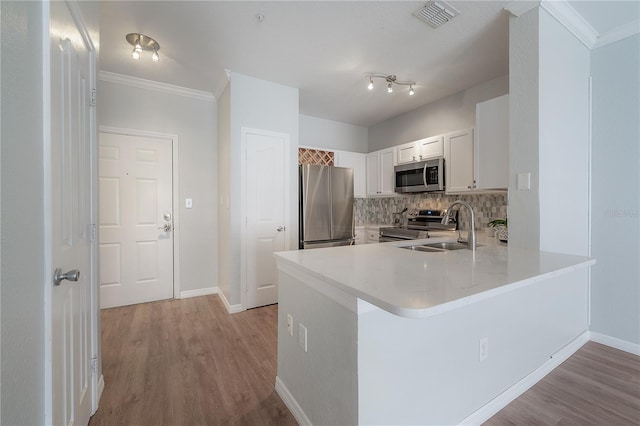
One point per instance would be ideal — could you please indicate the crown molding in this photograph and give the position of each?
(142, 83)
(622, 32)
(564, 13)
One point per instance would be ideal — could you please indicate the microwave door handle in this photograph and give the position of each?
(424, 175)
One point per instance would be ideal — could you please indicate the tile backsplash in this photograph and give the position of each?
(486, 207)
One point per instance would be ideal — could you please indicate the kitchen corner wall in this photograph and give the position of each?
(486, 207)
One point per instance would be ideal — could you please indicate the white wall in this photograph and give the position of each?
(263, 105)
(194, 122)
(452, 113)
(22, 373)
(328, 134)
(615, 202)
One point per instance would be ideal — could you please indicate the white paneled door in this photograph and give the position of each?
(266, 203)
(135, 217)
(68, 193)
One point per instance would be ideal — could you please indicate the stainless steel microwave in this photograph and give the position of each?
(422, 176)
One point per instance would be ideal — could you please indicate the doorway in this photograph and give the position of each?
(136, 218)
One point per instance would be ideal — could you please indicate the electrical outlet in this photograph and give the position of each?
(483, 348)
(290, 324)
(302, 336)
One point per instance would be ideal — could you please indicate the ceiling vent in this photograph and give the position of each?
(437, 13)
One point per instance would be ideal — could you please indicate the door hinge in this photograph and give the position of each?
(92, 100)
(94, 365)
(92, 232)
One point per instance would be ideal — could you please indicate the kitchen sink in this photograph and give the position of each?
(450, 245)
(422, 248)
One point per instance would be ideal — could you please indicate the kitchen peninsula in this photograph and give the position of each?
(383, 335)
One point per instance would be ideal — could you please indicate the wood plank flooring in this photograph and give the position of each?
(188, 362)
(597, 385)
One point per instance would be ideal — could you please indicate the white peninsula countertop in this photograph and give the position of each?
(416, 284)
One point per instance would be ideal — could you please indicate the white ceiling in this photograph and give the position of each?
(324, 48)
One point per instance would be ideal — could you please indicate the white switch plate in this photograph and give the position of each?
(302, 336)
(188, 203)
(483, 349)
(524, 181)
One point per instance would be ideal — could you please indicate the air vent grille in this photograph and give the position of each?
(437, 13)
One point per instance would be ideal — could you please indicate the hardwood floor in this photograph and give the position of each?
(597, 385)
(188, 362)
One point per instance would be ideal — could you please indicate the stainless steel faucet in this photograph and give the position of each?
(471, 235)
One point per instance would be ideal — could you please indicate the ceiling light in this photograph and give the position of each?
(391, 81)
(142, 42)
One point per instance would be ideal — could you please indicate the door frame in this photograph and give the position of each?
(175, 199)
(244, 131)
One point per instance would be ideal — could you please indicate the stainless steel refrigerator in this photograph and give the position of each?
(326, 206)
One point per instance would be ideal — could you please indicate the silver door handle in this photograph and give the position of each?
(58, 276)
(166, 227)
(280, 228)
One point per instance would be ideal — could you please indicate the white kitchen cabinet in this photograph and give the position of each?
(459, 161)
(361, 235)
(373, 235)
(357, 162)
(491, 144)
(380, 176)
(420, 150)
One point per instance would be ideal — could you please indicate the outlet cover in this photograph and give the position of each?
(289, 324)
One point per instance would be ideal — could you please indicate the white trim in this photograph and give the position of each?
(244, 131)
(619, 33)
(100, 387)
(47, 205)
(566, 15)
(498, 403)
(232, 309)
(175, 189)
(291, 403)
(142, 83)
(199, 292)
(614, 342)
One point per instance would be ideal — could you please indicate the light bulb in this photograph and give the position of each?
(155, 56)
(370, 86)
(389, 88)
(138, 46)
(135, 54)
(411, 92)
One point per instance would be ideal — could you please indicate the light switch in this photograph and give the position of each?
(523, 181)
(188, 203)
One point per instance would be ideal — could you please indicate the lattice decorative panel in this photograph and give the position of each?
(315, 156)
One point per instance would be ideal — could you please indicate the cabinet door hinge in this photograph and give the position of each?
(92, 232)
(92, 100)
(94, 365)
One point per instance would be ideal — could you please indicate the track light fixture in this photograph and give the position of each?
(391, 80)
(142, 42)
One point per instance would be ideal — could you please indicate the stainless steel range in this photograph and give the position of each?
(418, 226)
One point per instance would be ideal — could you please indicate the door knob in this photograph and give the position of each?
(58, 276)
(280, 228)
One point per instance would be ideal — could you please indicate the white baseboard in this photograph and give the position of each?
(100, 387)
(291, 403)
(199, 292)
(498, 403)
(614, 342)
(232, 309)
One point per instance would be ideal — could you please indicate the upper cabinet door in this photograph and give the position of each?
(357, 162)
(459, 161)
(430, 147)
(492, 144)
(387, 176)
(407, 153)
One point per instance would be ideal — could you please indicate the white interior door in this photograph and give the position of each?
(72, 132)
(266, 231)
(135, 217)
